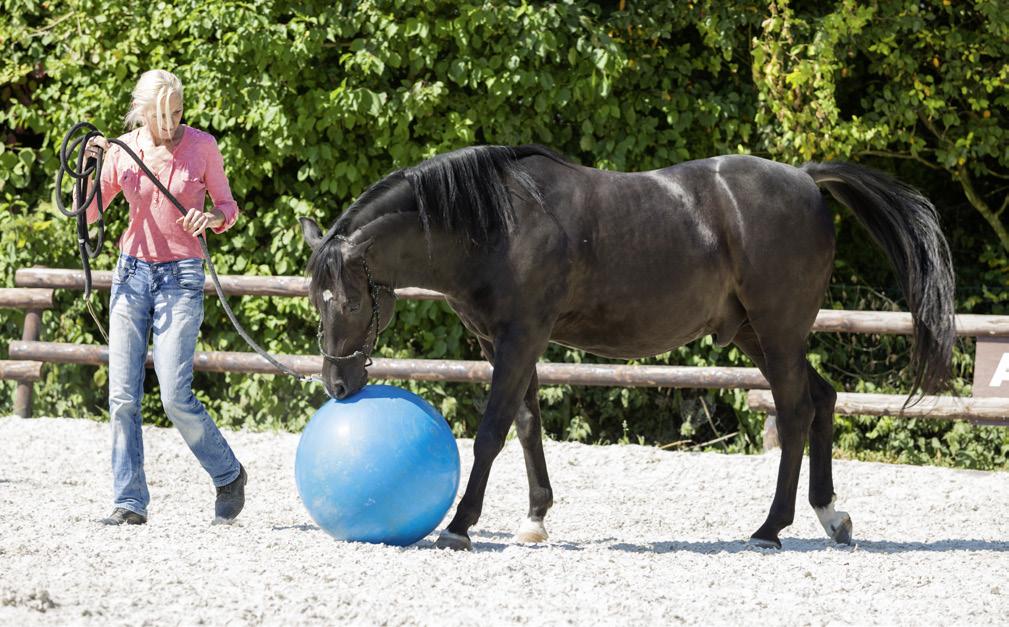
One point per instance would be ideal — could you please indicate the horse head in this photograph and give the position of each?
(353, 308)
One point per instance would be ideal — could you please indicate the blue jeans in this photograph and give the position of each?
(166, 298)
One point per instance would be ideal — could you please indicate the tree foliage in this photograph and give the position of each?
(904, 80)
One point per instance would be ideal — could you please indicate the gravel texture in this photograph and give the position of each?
(638, 536)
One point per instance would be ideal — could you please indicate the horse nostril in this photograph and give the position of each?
(339, 391)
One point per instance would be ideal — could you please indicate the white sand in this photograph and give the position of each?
(638, 536)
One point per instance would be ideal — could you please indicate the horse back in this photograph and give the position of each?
(656, 259)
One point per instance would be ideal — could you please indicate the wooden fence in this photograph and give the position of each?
(34, 294)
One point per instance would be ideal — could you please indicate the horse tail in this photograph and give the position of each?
(905, 225)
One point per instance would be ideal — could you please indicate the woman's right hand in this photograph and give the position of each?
(94, 145)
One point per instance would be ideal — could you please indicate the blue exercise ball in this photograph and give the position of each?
(380, 466)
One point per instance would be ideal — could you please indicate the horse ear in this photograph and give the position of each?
(311, 232)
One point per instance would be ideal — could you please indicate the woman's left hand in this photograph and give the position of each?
(196, 221)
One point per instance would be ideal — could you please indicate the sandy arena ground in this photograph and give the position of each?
(638, 536)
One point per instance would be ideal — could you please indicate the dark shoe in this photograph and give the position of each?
(121, 516)
(231, 498)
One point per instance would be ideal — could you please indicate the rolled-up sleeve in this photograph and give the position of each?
(109, 184)
(218, 187)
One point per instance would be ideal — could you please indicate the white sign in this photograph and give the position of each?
(991, 367)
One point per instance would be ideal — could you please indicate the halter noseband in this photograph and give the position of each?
(366, 350)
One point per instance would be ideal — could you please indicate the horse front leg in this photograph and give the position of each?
(529, 427)
(515, 355)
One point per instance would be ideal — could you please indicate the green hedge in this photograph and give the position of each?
(311, 102)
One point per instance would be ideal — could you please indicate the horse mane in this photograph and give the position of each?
(464, 191)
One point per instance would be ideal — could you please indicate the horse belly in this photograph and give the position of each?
(647, 324)
(626, 347)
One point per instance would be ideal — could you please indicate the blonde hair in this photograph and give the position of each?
(152, 92)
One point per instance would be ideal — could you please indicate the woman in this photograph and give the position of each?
(157, 288)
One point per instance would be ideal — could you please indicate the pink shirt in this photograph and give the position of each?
(196, 167)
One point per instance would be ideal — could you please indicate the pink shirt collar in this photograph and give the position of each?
(145, 141)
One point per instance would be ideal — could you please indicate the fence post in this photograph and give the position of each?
(23, 394)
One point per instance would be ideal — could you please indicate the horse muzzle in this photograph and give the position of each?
(342, 380)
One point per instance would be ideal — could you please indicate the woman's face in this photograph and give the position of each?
(164, 129)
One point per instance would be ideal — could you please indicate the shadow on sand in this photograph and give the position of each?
(491, 541)
(488, 541)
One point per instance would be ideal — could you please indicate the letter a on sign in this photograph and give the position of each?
(1001, 372)
(991, 367)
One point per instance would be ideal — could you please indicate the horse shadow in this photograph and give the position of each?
(714, 547)
(497, 541)
(803, 545)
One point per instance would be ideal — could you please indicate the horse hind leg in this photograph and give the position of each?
(821, 484)
(782, 359)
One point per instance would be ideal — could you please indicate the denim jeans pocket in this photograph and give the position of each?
(122, 272)
(191, 275)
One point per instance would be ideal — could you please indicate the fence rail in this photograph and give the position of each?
(979, 410)
(828, 320)
(25, 298)
(423, 369)
(233, 284)
(32, 301)
(20, 370)
(34, 293)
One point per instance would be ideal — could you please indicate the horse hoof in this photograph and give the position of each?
(453, 541)
(841, 531)
(764, 543)
(836, 524)
(531, 532)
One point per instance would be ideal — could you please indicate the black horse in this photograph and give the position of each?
(529, 248)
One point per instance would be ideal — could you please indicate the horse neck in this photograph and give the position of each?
(403, 255)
